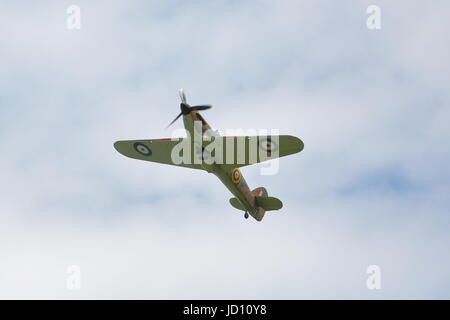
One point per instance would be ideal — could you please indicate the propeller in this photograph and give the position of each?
(186, 108)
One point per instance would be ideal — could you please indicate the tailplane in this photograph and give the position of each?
(262, 200)
(265, 202)
(237, 204)
(269, 203)
(261, 203)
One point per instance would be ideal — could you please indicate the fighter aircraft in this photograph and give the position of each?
(220, 155)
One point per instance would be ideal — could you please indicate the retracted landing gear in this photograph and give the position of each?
(246, 215)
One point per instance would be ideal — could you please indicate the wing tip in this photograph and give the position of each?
(120, 147)
(116, 146)
(297, 144)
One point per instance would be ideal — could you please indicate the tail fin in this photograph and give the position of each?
(263, 200)
(269, 203)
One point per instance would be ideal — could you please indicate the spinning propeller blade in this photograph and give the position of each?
(186, 108)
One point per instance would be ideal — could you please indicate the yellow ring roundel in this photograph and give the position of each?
(236, 175)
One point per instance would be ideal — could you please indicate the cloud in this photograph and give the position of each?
(370, 187)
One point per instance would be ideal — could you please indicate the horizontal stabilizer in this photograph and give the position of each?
(237, 204)
(269, 203)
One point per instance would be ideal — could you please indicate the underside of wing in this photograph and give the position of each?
(247, 150)
(156, 150)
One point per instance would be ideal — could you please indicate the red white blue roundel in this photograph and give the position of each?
(142, 149)
(268, 145)
(236, 175)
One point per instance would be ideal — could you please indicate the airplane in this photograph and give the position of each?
(239, 151)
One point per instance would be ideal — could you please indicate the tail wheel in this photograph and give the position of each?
(246, 215)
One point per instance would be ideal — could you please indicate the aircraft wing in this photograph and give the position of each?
(246, 150)
(156, 150)
(237, 151)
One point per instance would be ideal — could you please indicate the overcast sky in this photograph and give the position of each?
(371, 186)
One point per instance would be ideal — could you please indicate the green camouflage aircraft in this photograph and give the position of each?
(220, 155)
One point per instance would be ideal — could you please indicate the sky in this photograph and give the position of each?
(370, 188)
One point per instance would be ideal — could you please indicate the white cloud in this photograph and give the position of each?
(370, 187)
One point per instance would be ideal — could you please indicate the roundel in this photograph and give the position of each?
(142, 149)
(236, 175)
(268, 145)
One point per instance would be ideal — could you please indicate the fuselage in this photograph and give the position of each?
(231, 177)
